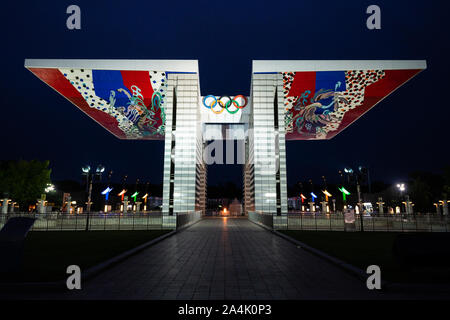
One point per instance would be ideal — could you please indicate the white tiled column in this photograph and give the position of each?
(269, 148)
(181, 150)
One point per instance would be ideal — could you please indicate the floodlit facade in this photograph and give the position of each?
(162, 100)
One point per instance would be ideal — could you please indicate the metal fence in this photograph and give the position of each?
(336, 222)
(102, 221)
(395, 223)
(96, 221)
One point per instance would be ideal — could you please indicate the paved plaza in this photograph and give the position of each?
(224, 258)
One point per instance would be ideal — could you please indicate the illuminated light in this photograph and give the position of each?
(345, 193)
(100, 169)
(86, 169)
(313, 196)
(303, 197)
(401, 186)
(327, 194)
(145, 196)
(106, 192)
(134, 195)
(122, 193)
(49, 188)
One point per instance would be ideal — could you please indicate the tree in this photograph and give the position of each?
(425, 188)
(446, 187)
(24, 181)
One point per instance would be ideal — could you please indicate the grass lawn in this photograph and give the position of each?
(47, 254)
(362, 249)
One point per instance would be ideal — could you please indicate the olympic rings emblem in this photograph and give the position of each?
(226, 105)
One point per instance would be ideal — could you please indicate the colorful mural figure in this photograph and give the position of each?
(320, 104)
(130, 104)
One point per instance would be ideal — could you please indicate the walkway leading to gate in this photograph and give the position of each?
(224, 258)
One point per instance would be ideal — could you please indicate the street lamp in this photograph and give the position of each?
(349, 171)
(86, 171)
(401, 187)
(49, 188)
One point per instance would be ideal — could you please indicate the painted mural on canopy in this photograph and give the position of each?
(320, 104)
(130, 104)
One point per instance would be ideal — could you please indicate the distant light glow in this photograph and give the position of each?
(327, 194)
(122, 193)
(345, 193)
(106, 192)
(303, 197)
(86, 169)
(49, 188)
(313, 196)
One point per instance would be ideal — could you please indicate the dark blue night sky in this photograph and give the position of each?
(407, 131)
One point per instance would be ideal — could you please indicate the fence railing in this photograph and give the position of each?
(102, 221)
(336, 222)
(395, 223)
(95, 221)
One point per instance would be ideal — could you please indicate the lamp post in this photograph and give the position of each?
(86, 170)
(110, 189)
(349, 171)
(401, 188)
(302, 197)
(146, 195)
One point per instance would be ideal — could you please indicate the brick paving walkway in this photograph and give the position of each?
(224, 259)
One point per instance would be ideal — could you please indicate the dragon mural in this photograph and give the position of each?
(317, 102)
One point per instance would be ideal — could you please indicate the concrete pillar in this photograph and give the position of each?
(324, 206)
(69, 203)
(438, 210)
(334, 205)
(5, 206)
(445, 208)
(41, 206)
(138, 206)
(408, 206)
(380, 205)
(312, 208)
(125, 204)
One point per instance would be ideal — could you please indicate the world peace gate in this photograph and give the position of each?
(162, 100)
